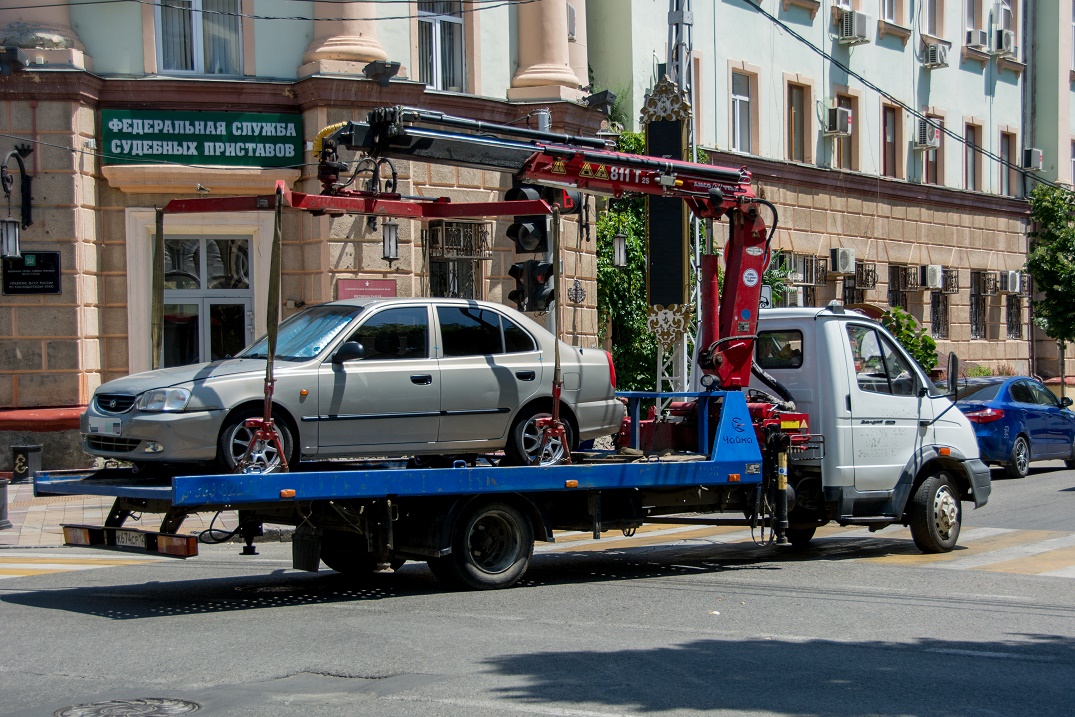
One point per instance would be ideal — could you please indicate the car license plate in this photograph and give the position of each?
(130, 539)
(107, 426)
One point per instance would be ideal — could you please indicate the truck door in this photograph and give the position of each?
(886, 409)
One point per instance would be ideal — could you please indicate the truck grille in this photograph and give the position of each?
(113, 402)
(112, 444)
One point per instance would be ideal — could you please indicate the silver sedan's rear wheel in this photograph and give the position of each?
(525, 441)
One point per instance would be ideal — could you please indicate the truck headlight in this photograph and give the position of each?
(164, 399)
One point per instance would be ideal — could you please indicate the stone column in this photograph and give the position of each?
(342, 47)
(544, 60)
(44, 32)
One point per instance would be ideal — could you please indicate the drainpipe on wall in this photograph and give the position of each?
(1027, 118)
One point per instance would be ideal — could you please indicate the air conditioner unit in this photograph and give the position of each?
(1032, 159)
(928, 136)
(978, 40)
(839, 124)
(1004, 43)
(1010, 282)
(932, 277)
(936, 56)
(795, 277)
(844, 4)
(842, 261)
(1002, 16)
(854, 27)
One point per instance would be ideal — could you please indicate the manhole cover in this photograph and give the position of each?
(148, 707)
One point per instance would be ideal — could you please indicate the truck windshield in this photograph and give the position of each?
(306, 334)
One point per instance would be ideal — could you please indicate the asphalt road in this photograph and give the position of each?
(662, 624)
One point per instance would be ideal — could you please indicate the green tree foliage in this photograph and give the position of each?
(919, 344)
(1051, 261)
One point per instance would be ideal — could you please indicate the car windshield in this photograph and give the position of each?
(305, 335)
(978, 391)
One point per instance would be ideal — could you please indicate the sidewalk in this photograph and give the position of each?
(36, 521)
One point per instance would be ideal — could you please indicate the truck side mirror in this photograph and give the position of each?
(953, 374)
(349, 351)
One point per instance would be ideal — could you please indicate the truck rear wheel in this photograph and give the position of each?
(936, 514)
(491, 548)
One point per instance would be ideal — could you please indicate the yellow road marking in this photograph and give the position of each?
(982, 545)
(1034, 564)
(637, 542)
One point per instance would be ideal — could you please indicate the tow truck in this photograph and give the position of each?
(737, 452)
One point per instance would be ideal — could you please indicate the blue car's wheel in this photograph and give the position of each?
(1019, 464)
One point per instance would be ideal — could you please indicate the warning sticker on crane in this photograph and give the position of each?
(559, 167)
(750, 277)
(601, 172)
(586, 170)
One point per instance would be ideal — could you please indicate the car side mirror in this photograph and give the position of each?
(349, 351)
(953, 375)
(1065, 401)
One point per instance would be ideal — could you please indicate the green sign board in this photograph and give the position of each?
(248, 139)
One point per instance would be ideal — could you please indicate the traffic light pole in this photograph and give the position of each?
(553, 428)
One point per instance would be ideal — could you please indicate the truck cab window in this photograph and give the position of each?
(879, 366)
(779, 349)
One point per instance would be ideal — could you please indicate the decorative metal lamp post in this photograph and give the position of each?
(9, 227)
(390, 241)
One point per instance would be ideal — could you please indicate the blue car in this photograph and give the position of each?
(1017, 421)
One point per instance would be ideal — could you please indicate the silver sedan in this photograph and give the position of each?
(424, 377)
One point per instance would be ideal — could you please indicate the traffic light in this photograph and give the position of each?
(519, 293)
(570, 200)
(529, 232)
(540, 291)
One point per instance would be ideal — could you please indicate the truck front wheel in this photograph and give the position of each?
(936, 514)
(491, 548)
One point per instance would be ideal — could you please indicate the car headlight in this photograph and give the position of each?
(164, 399)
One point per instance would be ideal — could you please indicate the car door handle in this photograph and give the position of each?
(421, 379)
(526, 375)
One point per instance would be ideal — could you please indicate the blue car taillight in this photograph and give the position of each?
(985, 415)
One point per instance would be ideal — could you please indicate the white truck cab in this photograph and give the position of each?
(895, 449)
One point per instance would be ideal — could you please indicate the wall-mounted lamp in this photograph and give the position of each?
(9, 239)
(619, 250)
(381, 71)
(390, 241)
(601, 101)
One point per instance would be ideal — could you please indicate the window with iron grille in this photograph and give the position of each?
(977, 304)
(897, 295)
(803, 269)
(950, 281)
(456, 250)
(938, 315)
(1015, 316)
(796, 296)
(853, 294)
(1024, 286)
(865, 275)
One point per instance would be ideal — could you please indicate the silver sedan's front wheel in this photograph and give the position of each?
(235, 440)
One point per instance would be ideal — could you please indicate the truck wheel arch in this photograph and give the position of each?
(539, 521)
(927, 462)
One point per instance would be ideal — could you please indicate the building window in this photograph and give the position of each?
(1073, 161)
(845, 146)
(972, 166)
(200, 37)
(890, 137)
(938, 315)
(1073, 34)
(797, 123)
(1014, 310)
(901, 279)
(741, 112)
(208, 300)
(1007, 159)
(933, 14)
(440, 44)
(978, 294)
(935, 157)
(888, 11)
(974, 15)
(456, 250)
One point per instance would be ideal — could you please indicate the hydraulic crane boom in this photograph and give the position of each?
(729, 325)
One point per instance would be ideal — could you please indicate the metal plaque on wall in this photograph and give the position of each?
(35, 272)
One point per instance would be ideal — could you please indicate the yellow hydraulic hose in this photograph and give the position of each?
(325, 133)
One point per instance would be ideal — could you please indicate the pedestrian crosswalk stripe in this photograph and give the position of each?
(1025, 554)
(1047, 562)
(984, 547)
(24, 563)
